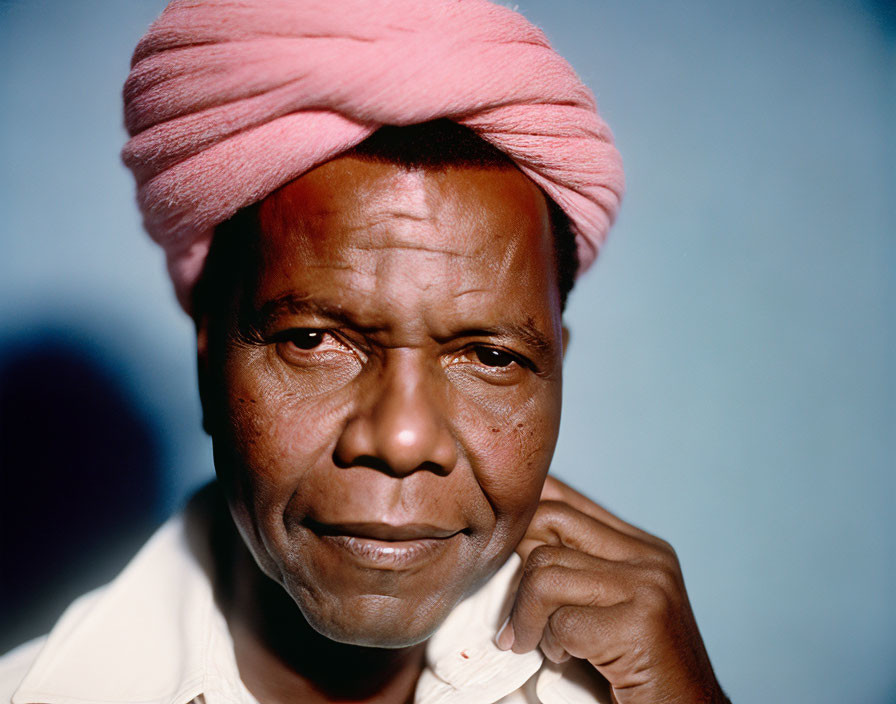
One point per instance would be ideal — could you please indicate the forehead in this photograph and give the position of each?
(372, 233)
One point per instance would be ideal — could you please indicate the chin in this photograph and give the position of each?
(376, 621)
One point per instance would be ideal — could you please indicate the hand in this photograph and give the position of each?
(596, 588)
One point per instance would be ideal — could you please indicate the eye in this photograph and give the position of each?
(301, 345)
(490, 364)
(491, 357)
(305, 339)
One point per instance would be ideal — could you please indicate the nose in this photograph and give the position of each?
(400, 427)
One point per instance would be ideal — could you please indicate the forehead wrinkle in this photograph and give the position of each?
(398, 230)
(386, 216)
(341, 266)
(411, 246)
(405, 246)
(469, 291)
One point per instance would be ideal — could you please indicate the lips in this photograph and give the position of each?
(383, 531)
(383, 545)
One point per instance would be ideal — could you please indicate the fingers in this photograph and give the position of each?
(558, 523)
(581, 563)
(553, 578)
(596, 588)
(556, 490)
(596, 635)
(646, 666)
(552, 647)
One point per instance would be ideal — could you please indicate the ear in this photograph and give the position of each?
(203, 369)
(565, 339)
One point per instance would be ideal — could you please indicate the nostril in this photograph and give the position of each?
(368, 461)
(433, 467)
(381, 465)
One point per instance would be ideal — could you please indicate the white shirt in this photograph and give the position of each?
(155, 635)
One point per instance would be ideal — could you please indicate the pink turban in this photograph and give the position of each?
(228, 100)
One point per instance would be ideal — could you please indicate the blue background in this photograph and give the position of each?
(730, 384)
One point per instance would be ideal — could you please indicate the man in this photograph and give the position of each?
(380, 341)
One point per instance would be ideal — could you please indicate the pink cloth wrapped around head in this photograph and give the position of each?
(228, 100)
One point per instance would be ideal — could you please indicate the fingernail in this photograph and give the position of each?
(504, 639)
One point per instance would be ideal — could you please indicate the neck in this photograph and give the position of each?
(282, 659)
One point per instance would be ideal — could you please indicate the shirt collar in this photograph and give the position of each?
(156, 636)
(463, 663)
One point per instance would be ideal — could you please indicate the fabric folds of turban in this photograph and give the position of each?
(228, 100)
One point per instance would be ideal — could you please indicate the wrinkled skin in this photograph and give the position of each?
(599, 589)
(390, 374)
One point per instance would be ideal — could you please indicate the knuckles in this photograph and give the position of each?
(660, 557)
(543, 577)
(551, 516)
(654, 601)
(660, 593)
(567, 625)
(666, 555)
(665, 572)
(641, 619)
(542, 556)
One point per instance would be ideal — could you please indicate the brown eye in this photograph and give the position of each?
(491, 357)
(306, 339)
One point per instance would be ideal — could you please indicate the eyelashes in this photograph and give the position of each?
(307, 346)
(307, 339)
(302, 346)
(494, 357)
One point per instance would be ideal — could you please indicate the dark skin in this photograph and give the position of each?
(384, 395)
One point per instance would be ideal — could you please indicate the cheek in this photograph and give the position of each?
(275, 428)
(510, 448)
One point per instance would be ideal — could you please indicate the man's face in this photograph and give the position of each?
(385, 400)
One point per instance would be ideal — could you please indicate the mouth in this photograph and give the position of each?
(386, 546)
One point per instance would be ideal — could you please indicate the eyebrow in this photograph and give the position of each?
(297, 304)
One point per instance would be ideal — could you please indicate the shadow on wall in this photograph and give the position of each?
(80, 478)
